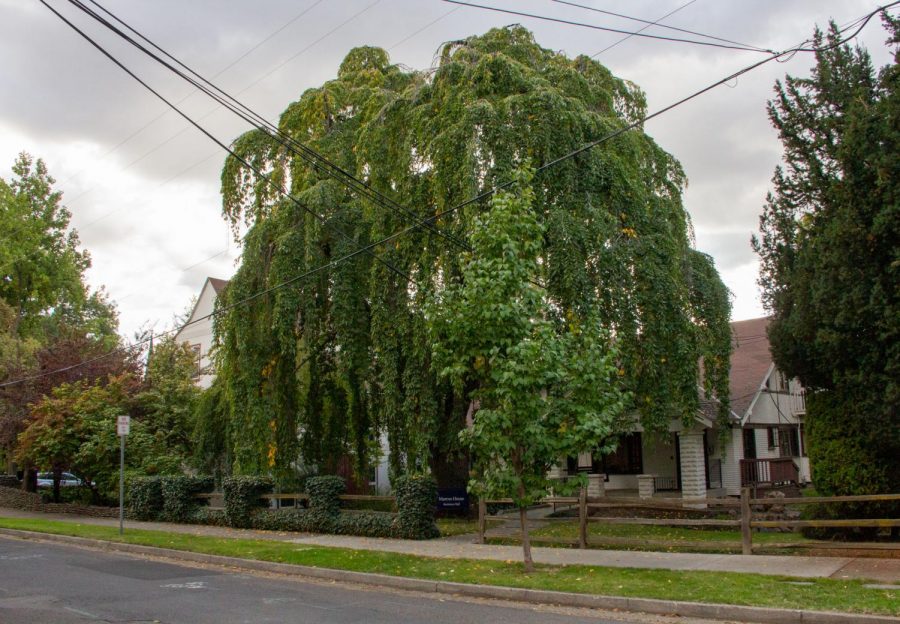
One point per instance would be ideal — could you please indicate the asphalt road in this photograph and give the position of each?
(55, 584)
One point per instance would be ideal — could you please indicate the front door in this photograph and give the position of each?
(749, 444)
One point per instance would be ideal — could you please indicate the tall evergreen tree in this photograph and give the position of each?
(830, 252)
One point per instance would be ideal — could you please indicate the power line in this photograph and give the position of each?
(862, 22)
(213, 138)
(309, 155)
(630, 33)
(657, 23)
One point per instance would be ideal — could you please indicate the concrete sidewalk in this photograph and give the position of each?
(880, 570)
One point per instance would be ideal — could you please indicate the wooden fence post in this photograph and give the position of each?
(482, 518)
(746, 535)
(582, 518)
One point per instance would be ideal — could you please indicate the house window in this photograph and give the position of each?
(789, 442)
(197, 356)
(772, 434)
(626, 459)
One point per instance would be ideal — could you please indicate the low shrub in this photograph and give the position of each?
(366, 524)
(209, 517)
(145, 498)
(242, 498)
(178, 493)
(416, 500)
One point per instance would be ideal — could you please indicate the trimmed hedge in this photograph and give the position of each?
(179, 502)
(242, 498)
(416, 500)
(145, 498)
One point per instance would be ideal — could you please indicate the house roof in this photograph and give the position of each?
(750, 362)
(217, 284)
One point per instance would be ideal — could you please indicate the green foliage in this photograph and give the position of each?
(211, 435)
(324, 494)
(347, 352)
(145, 498)
(830, 261)
(242, 498)
(170, 397)
(416, 501)
(545, 388)
(41, 268)
(179, 502)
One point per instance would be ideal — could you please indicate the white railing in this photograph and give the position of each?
(798, 402)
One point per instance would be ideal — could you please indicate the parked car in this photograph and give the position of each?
(45, 479)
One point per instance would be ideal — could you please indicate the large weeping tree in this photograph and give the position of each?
(320, 368)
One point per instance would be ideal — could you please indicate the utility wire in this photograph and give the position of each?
(627, 37)
(630, 33)
(862, 24)
(317, 160)
(325, 222)
(656, 23)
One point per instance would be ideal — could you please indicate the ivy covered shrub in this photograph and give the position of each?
(416, 500)
(145, 498)
(242, 498)
(178, 493)
(324, 494)
(366, 524)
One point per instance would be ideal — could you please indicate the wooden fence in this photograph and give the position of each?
(743, 506)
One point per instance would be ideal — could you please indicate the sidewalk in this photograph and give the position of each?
(880, 570)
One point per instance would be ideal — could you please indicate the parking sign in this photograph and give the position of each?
(123, 425)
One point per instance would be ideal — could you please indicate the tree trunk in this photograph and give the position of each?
(526, 542)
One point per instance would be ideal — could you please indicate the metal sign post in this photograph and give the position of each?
(123, 428)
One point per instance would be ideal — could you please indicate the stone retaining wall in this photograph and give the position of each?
(29, 501)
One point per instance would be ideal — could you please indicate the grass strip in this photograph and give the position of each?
(694, 586)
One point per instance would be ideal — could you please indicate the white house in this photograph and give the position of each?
(763, 446)
(198, 329)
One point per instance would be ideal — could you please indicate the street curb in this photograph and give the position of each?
(756, 615)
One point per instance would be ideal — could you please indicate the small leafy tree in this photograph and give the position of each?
(542, 387)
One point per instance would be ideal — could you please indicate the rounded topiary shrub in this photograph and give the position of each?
(178, 493)
(242, 498)
(416, 500)
(145, 498)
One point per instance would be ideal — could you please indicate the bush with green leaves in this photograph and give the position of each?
(145, 498)
(416, 500)
(324, 494)
(242, 498)
(179, 496)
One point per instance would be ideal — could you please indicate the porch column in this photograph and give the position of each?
(596, 486)
(693, 466)
(646, 485)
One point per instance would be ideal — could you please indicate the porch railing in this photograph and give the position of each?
(798, 402)
(768, 471)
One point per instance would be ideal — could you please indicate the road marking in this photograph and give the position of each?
(190, 585)
(19, 557)
(84, 613)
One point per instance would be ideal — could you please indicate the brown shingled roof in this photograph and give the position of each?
(750, 361)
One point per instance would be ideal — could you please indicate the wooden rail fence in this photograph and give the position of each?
(745, 504)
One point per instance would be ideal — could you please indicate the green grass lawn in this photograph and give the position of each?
(673, 535)
(462, 526)
(717, 587)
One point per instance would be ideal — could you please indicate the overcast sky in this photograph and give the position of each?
(143, 186)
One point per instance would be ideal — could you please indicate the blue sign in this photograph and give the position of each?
(452, 498)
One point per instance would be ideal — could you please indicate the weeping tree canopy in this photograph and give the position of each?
(320, 368)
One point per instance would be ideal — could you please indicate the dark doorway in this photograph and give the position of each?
(749, 444)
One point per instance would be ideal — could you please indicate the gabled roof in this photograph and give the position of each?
(751, 362)
(217, 284)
